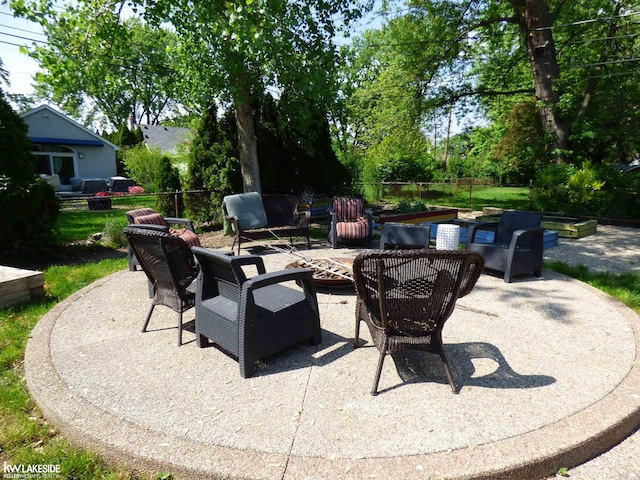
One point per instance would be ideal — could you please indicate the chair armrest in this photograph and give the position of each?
(302, 218)
(149, 226)
(304, 275)
(188, 224)
(244, 260)
(235, 223)
(368, 213)
(519, 235)
(487, 226)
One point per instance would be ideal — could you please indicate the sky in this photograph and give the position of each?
(13, 33)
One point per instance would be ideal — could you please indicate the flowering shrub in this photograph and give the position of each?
(102, 194)
(136, 190)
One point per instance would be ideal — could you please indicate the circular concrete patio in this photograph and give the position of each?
(547, 368)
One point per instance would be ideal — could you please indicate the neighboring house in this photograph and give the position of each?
(70, 156)
(167, 139)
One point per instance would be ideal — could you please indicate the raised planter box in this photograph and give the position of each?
(435, 215)
(566, 227)
(18, 286)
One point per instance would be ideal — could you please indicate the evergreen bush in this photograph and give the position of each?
(29, 206)
(168, 181)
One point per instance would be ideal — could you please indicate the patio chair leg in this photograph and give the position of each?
(146, 322)
(356, 339)
(376, 380)
(449, 372)
(180, 329)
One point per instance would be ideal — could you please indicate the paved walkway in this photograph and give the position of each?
(548, 371)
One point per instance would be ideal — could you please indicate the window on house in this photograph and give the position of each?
(55, 159)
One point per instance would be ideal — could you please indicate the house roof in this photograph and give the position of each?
(166, 138)
(68, 138)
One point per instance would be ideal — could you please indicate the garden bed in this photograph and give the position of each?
(432, 215)
(567, 227)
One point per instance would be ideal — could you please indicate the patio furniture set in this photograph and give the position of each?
(405, 291)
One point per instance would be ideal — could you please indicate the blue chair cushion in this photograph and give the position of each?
(248, 208)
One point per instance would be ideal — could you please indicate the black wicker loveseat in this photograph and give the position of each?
(256, 217)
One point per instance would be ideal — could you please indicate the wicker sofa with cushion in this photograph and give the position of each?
(256, 217)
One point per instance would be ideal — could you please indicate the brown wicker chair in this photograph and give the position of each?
(170, 267)
(148, 216)
(406, 296)
(251, 318)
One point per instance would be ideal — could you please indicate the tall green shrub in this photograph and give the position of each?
(212, 166)
(141, 164)
(29, 206)
(167, 183)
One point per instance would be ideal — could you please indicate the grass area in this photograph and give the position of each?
(80, 223)
(26, 438)
(624, 286)
(481, 196)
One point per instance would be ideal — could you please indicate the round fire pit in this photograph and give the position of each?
(328, 272)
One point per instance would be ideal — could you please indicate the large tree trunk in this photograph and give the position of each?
(535, 23)
(248, 145)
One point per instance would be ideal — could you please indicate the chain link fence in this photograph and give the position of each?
(194, 204)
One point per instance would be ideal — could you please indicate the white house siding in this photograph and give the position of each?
(90, 162)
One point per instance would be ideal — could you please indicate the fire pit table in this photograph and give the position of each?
(328, 272)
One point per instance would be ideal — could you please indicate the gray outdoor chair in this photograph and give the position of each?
(517, 246)
(251, 318)
(403, 236)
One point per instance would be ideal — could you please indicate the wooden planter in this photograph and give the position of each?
(99, 203)
(421, 217)
(566, 227)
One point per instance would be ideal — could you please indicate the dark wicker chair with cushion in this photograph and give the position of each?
(148, 216)
(350, 222)
(404, 236)
(251, 318)
(517, 246)
(170, 267)
(406, 296)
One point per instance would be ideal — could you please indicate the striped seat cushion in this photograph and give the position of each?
(151, 219)
(188, 236)
(353, 230)
(348, 209)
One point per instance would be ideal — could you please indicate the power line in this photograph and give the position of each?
(22, 30)
(23, 38)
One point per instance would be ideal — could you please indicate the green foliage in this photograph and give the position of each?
(29, 205)
(141, 164)
(297, 142)
(550, 193)
(113, 234)
(168, 180)
(102, 67)
(123, 137)
(212, 166)
(597, 190)
(410, 206)
(522, 148)
(584, 190)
